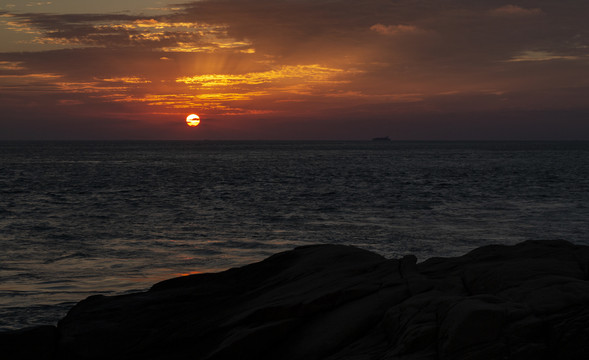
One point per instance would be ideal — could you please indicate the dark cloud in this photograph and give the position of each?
(459, 29)
(105, 30)
(454, 34)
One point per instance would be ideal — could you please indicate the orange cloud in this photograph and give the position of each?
(127, 80)
(11, 65)
(304, 73)
(514, 10)
(392, 30)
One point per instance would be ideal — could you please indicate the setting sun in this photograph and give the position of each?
(192, 120)
(258, 76)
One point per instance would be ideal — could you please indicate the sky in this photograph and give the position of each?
(294, 69)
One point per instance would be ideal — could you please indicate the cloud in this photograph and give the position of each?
(11, 65)
(302, 73)
(118, 30)
(514, 10)
(275, 57)
(39, 3)
(127, 80)
(531, 55)
(392, 30)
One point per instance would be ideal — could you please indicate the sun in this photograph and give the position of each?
(192, 120)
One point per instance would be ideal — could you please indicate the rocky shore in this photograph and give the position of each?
(528, 301)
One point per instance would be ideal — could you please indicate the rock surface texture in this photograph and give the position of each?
(528, 301)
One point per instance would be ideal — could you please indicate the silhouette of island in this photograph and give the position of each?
(528, 301)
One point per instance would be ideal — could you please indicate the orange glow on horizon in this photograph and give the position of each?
(155, 278)
(192, 120)
(189, 273)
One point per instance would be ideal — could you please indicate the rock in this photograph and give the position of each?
(528, 301)
(32, 343)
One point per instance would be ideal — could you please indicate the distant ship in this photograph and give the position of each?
(386, 138)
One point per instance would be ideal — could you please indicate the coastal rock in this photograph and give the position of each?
(528, 301)
(39, 343)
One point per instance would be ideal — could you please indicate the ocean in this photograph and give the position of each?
(84, 218)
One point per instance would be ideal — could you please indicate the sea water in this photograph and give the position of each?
(83, 218)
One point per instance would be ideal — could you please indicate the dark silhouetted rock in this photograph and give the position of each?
(528, 301)
(32, 343)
